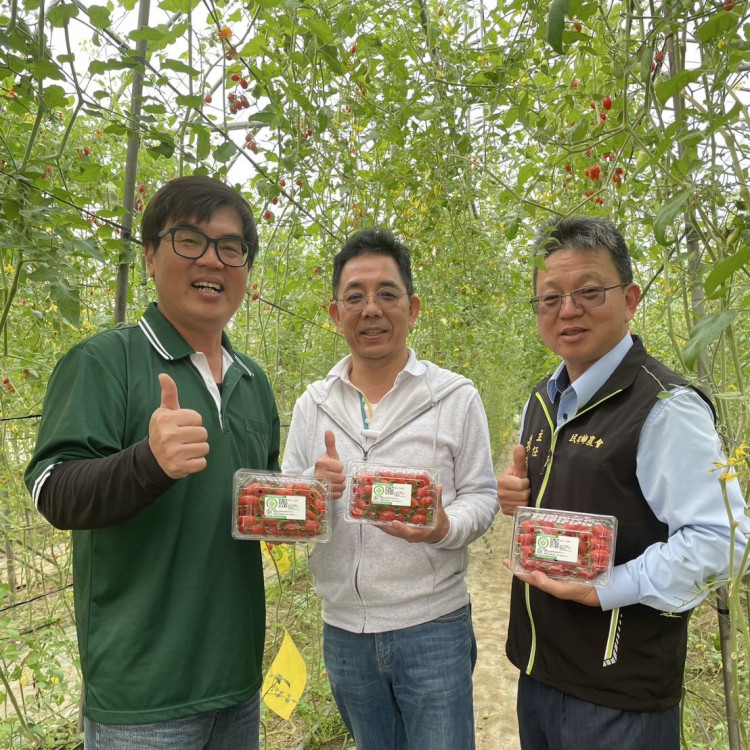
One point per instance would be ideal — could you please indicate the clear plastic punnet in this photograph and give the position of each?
(280, 507)
(382, 494)
(577, 547)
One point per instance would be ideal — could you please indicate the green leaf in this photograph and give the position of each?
(667, 213)
(11, 209)
(159, 36)
(88, 172)
(90, 248)
(556, 24)
(715, 123)
(463, 143)
(321, 30)
(724, 270)
(225, 152)
(55, 96)
(511, 229)
(67, 300)
(666, 89)
(149, 33)
(578, 131)
(526, 173)
(269, 116)
(178, 6)
(116, 128)
(99, 16)
(203, 147)
(102, 66)
(164, 148)
(60, 15)
(185, 100)
(690, 138)
(705, 332)
(46, 69)
(179, 67)
(330, 54)
(42, 273)
(325, 115)
(717, 25)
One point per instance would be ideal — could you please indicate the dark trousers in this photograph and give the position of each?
(551, 720)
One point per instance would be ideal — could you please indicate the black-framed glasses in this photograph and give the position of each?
(386, 299)
(190, 243)
(584, 299)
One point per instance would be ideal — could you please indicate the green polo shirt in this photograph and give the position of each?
(170, 608)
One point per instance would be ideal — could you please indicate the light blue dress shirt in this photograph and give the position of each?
(677, 452)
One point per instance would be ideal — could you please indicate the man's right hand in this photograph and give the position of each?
(329, 467)
(177, 437)
(513, 484)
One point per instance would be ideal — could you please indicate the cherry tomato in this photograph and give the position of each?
(250, 501)
(427, 501)
(600, 559)
(586, 573)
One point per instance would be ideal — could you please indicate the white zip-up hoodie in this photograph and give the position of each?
(370, 582)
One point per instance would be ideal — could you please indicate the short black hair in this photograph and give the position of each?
(584, 233)
(377, 241)
(196, 197)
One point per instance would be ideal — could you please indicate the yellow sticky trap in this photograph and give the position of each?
(277, 555)
(285, 680)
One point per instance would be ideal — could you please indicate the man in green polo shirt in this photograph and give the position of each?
(142, 430)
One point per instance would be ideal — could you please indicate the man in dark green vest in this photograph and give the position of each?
(142, 429)
(612, 431)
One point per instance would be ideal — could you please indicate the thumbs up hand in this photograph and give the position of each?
(513, 484)
(329, 467)
(169, 398)
(176, 436)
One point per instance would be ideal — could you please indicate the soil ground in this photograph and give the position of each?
(494, 676)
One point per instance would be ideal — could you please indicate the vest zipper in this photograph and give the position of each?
(547, 470)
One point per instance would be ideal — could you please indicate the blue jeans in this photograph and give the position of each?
(233, 728)
(406, 689)
(551, 720)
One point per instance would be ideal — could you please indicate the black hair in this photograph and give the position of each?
(196, 198)
(379, 242)
(584, 233)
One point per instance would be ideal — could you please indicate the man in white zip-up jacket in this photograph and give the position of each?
(398, 639)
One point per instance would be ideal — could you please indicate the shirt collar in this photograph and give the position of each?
(168, 343)
(412, 367)
(594, 378)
